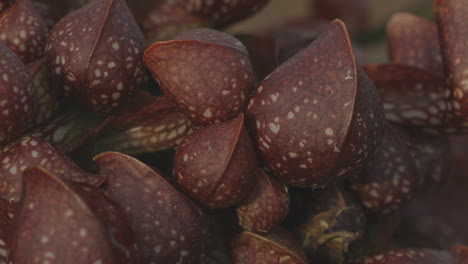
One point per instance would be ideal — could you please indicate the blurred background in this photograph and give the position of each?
(373, 41)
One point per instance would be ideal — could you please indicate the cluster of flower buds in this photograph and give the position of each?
(141, 132)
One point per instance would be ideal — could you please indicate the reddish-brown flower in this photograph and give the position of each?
(94, 55)
(208, 74)
(317, 116)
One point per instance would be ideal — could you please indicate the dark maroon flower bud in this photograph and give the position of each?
(94, 55)
(390, 179)
(46, 99)
(28, 152)
(208, 74)
(73, 223)
(168, 226)
(413, 88)
(317, 116)
(148, 124)
(335, 220)
(266, 207)
(414, 41)
(17, 100)
(216, 165)
(408, 256)
(23, 30)
(277, 247)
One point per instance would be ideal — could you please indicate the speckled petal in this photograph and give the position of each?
(413, 97)
(208, 74)
(280, 249)
(73, 223)
(168, 227)
(17, 96)
(28, 152)
(451, 21)
(69, 130)
(46, 99)
(365, 131)
(390, 179)
(317, 116)
(266, 207)
(23, 30)
(216, 165)
(414, 41)
(94, 55)
(153, 126)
